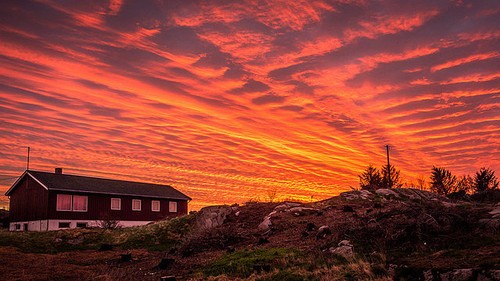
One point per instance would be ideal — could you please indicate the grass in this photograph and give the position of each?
(291, 265)
(244, 263)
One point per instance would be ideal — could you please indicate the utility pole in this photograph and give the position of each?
(28, 160)
(388, 168)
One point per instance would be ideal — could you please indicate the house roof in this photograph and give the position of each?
(72, 183)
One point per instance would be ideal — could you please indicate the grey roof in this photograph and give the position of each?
(65, 182)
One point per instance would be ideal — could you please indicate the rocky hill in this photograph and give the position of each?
(397, 234)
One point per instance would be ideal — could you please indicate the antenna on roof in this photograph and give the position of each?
(28, 160)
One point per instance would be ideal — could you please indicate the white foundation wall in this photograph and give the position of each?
(45, 225)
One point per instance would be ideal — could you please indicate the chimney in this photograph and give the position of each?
(58, 171)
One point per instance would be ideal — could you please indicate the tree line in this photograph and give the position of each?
(442, 181)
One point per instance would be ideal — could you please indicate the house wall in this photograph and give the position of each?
(99, 208)
(44, 225)
(28, 202)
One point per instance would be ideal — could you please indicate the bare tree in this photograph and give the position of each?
(421, 182)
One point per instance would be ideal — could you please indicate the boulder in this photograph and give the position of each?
(286, 206)
(323, 231)
(365, 194)
(387, 192)
(266, 223)
(302, 211)
(212, 216)
(344, 249)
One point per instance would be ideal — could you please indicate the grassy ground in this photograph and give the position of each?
(159, 236)
(402, 234)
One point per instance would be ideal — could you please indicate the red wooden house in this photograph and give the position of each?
(41, 201)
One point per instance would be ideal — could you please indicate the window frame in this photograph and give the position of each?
(119, 200)
(86, 203)
(140, 205)
(70, 204)
(64, 222)
(82, 225)
(172, 205)
(152, 205)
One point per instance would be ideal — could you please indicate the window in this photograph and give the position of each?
(155, 206)
(81, 224)
(18, 226)
(116, 203)
(136, 205)
(64, 225)
(172, 207)
(80, 203)
(63, 202)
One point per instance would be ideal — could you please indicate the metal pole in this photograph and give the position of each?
(28, 160)
(388, 168)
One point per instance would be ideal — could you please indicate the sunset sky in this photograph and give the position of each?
(231, 100)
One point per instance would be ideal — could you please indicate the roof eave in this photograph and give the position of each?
(121, 194)
(8, 192)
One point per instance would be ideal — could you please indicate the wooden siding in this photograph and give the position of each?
(29, 201)
(99, 208)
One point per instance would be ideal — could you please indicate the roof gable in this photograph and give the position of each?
(72, 183)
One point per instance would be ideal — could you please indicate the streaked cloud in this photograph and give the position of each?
(229, 100)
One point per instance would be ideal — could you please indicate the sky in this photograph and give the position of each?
(233, 101)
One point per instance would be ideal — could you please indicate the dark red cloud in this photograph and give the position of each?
(229, 100)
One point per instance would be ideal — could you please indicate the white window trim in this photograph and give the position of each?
(86, 204)
(119, 204)
(70, 205)
(170, 204)
(152, 205)
(140, 204)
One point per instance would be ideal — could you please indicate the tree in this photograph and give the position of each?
(394, 181)
(370, 179)
(442, 181)
(484, 180)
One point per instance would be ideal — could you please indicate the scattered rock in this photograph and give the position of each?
(262, 267)
(76, 241)
(310, 226)
(347, 208)
(168, 278)
(496, 211)
(106, 247)
(126, 257)
(387, 193)
(58, 240)
(457, 275)
(262, 241)
(365, 194)
(166, 263)
(302, 211)
(230, 249)
(323, 231)
(286, 205)
(344, 249)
